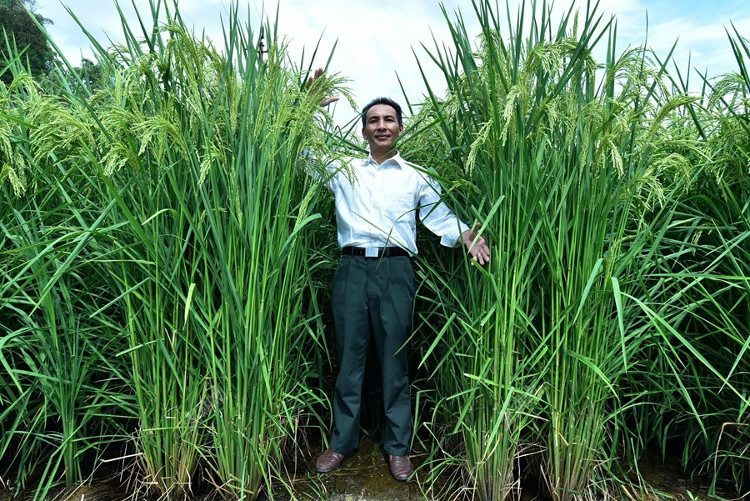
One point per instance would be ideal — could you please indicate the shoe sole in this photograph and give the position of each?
(332, 469)
(402, 479)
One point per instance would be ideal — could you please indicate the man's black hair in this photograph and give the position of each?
(382, 100)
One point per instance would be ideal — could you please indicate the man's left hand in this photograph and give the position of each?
(317, 75)
(478, 249)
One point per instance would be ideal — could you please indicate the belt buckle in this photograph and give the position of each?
(371, 252)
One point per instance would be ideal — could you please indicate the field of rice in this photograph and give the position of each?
(166, 258)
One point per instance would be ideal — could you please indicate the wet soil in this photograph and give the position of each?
(667, 480)
(365, 477)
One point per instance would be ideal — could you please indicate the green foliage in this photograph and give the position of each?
(163, 259)
(597, 305)
(156, 273)
(21, 31)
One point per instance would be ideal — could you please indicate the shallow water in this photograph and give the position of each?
(365, 477)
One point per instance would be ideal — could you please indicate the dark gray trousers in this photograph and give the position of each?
(373, 296)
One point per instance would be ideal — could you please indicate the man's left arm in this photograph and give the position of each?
(439, 219)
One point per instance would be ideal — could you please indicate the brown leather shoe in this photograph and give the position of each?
(401, 467)
(331, 460)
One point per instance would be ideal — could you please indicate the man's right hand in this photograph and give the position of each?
(311, 81)
(477, 247)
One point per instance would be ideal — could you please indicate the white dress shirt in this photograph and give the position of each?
(376, 204)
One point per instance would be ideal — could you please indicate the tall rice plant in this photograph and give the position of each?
(194, 160)
(53, 343)
(560, 165)
(693, 383)
(215, 281)
(260, 334)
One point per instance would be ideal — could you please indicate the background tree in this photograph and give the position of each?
(17, 22)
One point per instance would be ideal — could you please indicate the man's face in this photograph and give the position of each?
(381, 128)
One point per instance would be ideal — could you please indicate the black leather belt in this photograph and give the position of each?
(374, 251)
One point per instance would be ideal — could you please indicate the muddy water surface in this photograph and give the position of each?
(365, 477)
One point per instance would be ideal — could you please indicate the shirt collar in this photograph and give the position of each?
(400, 162)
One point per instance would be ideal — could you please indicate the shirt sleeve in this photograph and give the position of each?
(436, 215)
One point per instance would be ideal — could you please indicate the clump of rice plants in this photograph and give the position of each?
(692, 381)
(574, 171)
(190, 159)
(57, 387)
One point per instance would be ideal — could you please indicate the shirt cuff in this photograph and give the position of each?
(451, 239)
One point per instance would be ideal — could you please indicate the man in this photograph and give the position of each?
(376, 200)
